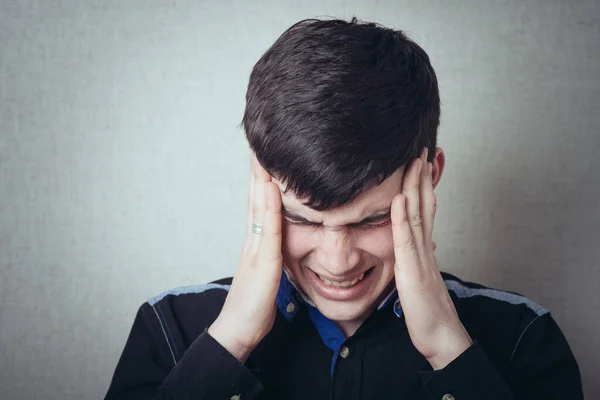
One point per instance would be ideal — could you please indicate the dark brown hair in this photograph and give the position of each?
(334, 107)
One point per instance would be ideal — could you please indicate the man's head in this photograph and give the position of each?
(334, 111)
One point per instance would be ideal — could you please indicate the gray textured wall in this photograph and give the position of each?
(123, 172)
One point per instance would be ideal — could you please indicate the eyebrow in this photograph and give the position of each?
(374, 217)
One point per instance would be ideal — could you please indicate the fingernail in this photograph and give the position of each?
(425, 153)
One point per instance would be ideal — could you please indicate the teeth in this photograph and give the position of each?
(345, 283)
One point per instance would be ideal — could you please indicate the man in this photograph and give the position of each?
(338, 294)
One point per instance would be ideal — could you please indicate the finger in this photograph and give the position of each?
(428, 205)
(411, 192)
(261, 178)
(260, 172)
(250, 202)
(405, 250)
(258, 203)
(269, 250)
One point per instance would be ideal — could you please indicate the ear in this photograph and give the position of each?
(439, 161)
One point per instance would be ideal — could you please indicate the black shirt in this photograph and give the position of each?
(519, 352)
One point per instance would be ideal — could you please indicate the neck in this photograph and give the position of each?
(349, 328)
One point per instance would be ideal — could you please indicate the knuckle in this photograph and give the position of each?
(259, 206)
(256, 215)
(416, 220)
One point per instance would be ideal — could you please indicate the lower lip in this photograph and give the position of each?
(337, 292)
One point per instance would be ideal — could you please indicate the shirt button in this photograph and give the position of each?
(448, 397)
(345, 352)
(236, 397)
(290, 308)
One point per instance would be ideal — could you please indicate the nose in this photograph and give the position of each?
(336, 254)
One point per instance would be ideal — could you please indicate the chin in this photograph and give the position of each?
(343, 312)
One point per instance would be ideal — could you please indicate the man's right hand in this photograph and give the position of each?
(249, 310)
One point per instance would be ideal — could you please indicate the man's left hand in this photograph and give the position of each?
(431, 318)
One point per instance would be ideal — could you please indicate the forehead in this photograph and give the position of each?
(378, 198)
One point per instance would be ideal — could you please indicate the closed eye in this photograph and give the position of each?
(363, 225)
(302, 223)
(371, 225)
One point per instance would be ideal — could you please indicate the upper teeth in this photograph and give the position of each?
(345, 283)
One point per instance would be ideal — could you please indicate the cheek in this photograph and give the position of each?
(296, 242)
(378, 242)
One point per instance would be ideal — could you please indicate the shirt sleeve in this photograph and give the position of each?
(541, 366)
(471, 376)
(147, 370)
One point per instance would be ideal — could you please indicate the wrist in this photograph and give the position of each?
(222, 334)
(453, 349)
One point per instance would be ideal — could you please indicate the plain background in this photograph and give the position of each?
(123, 171)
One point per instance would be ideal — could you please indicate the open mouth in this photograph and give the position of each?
(346, 284)
(347, 290)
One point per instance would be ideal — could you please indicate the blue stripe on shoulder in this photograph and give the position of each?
(463, 291)
(188, 290)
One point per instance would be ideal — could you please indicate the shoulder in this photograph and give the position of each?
(496, 318)
(185, 312)
(167, 324)
(519, 336)
(184, 296)
(479, 297)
